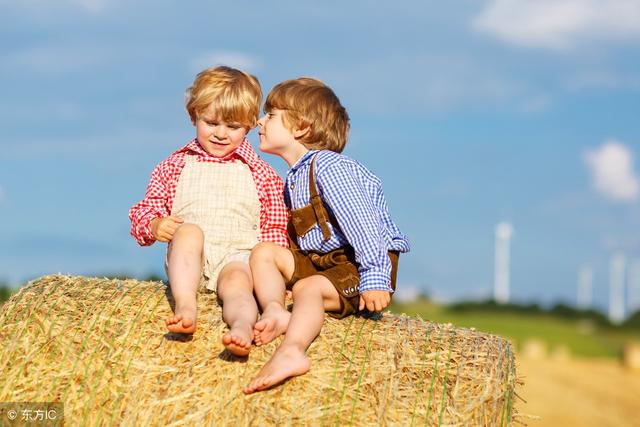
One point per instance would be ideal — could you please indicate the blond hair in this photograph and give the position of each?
(234, 96)
(307, 102)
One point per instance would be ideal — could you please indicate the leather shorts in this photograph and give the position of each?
(340, 267)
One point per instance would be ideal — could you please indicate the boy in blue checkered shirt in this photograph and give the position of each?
(344, 245)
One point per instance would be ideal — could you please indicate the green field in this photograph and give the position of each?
(582, 337)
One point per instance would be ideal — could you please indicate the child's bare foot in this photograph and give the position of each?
(238, 340)
(285, 363)
(183, 321)
(274, 322)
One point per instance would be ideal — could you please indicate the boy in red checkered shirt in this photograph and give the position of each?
(212, 201)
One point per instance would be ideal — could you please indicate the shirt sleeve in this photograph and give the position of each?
(273, 212)
(359, 222)
(154, 205)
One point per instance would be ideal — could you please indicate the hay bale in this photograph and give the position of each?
(631, 356)
(534, 349)
(100, 347)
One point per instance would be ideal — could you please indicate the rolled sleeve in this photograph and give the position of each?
(140, 225)
(154, 205)
(372, 280)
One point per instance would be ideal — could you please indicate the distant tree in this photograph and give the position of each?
(568, 312)
(462, 306)
(493, 306)
(422, 295)
(563, 310)
(5, 292)
(559, 310)
(633, 322)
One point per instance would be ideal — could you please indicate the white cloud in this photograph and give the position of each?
(559, 24)
(238, 60)
(612, 172)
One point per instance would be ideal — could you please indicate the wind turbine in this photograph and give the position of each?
(503, 234)
(616, 288)
(634, 287)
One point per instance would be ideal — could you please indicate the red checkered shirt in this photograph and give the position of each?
(164, 180)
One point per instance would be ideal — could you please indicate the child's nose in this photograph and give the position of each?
(220, 132)
(261, 120)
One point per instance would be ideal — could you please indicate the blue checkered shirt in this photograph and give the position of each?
(354, 195)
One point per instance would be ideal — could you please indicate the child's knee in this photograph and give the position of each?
(189, 232)
(234, 284)
(236, 275)
(316, 285)
(304, 286)
(263, 251)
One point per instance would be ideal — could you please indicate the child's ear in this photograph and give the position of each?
(299, 133)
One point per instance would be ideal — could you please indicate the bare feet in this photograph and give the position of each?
(238, 340)
(183, 321)
(274, 322)
(285, 363)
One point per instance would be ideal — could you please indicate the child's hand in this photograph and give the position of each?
(163, 228)
(374, 300)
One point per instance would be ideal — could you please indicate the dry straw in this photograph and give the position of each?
(100, 346)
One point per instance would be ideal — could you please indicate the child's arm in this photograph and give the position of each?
(273, 211)
(361, 224)
(153, 206)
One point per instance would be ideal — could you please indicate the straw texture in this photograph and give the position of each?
(101, 347)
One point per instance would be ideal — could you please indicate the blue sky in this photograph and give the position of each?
(472, 112)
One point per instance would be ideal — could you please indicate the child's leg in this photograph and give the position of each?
(271, 264)
(184, 271)
(311, 298)
(239, 308)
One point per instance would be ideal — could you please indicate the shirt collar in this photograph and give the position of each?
(244, 151)
(306, 158)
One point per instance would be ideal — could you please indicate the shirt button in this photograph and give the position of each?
(255, 227)
(292, 186)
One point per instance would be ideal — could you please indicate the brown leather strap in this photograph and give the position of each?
(291, 231)
(318, 207)
(312, 182)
